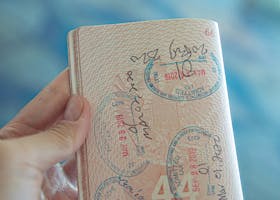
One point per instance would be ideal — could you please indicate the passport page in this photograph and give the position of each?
(162, 128)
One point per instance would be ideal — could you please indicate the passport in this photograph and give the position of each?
(162, 128)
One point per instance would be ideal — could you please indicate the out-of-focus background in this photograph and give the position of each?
(33, 51)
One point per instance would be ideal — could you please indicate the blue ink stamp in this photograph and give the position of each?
(117, 188)
(187, 80)
(188, 163)
(120, 145)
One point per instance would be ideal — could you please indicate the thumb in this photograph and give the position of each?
(61, 140)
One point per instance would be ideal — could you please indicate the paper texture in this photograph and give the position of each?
(162, 127)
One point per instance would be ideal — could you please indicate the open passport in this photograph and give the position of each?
(162, 127)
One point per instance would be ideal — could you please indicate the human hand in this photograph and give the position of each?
(47, 130)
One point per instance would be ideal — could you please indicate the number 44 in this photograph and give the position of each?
(162, 189)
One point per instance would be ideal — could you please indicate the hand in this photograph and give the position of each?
(48, 130)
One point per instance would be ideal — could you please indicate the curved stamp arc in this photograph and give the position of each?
(120, 149)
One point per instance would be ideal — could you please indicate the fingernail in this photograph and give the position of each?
(74, 108)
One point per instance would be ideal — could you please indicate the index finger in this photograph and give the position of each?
(45, 108)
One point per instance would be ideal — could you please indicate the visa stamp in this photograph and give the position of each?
(186, 80)
(117, 188)
(118, 137)
(195, 165)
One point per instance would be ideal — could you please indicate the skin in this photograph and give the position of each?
(47, 130)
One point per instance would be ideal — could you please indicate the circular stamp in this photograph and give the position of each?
(118, 139)
(117, 188)
(186, 80)
(195, 166)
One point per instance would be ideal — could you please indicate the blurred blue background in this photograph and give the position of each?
(33, 51)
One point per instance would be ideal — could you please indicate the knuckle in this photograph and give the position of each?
(9, 131)
(64, 136)
(15, 129)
